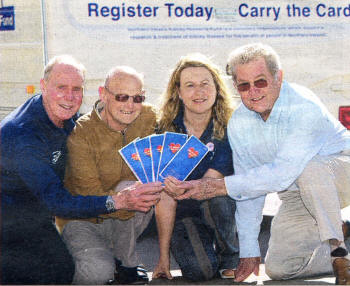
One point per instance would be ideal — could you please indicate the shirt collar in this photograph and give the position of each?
(180, 125)
(279, 103)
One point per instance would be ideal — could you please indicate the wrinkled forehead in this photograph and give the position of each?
(252, 69)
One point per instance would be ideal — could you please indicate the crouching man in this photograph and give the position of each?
(103, 247)
(284, 140)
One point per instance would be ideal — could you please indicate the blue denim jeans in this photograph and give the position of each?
(203, 244)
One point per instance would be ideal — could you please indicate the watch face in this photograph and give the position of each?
(110, 204)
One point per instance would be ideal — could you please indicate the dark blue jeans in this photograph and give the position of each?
(203, 244)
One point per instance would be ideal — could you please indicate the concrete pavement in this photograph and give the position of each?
(149, 252)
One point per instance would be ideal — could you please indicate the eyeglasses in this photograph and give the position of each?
(138, 98)
(245, 86)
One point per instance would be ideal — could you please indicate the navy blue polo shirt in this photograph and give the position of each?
(33, 157)
(218, 158)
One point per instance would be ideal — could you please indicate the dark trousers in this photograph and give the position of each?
(32, 251)
(202, 245)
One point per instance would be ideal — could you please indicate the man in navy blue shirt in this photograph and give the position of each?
(33, 156)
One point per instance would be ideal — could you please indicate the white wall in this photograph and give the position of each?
(21, 54)
(314, 49)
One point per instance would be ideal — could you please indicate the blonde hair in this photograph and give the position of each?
(251, 52)
(222, 108)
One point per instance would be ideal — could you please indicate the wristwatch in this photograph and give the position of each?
(110, 206)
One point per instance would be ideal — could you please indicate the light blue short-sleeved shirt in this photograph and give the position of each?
(268, 156)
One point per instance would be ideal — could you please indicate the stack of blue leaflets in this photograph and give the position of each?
(155, 157)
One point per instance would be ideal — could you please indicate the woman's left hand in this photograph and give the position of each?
(172, 187)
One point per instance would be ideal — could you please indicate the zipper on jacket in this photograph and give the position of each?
(124, 139)
(123, 144)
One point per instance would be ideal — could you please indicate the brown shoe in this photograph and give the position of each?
(341, 268)
(346, 229)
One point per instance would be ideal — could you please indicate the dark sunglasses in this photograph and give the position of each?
(124, 97)
(245, 86)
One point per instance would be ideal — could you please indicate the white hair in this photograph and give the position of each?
(63, 59)
(251, 52)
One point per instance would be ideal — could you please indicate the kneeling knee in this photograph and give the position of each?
(197, 276)
(281, 269)
(94, 272)
(312, 170)
(202, 273)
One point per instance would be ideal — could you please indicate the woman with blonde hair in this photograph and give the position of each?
(200, 234)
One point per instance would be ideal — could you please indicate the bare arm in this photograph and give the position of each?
(165, 217)
(211, 173)
(202, 189)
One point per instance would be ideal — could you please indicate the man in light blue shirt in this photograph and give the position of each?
(284, 140)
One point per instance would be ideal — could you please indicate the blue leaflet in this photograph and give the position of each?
(156, 150)
(186, 159)
(144, 151)
(172, 144)
(132, 158)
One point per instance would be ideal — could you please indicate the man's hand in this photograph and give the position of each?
(125, 184)
(138, 197)
(247, 266)
(172, 187)
(203, 189)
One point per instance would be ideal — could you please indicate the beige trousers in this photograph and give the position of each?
(95, 247)
(308, 218)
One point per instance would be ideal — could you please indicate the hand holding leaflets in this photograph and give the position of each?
(156, 157)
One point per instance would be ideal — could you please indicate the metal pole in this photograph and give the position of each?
(2, 3)
(44, 27)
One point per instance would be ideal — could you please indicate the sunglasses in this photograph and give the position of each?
(245, 86)
(138, 98)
